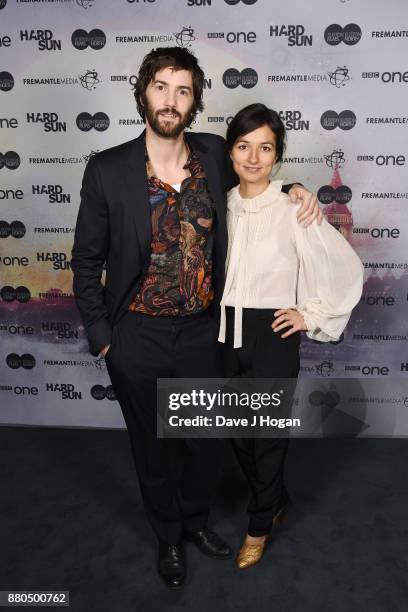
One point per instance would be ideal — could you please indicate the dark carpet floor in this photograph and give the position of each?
(71, 519)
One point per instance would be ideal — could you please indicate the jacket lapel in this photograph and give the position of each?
(135, 181)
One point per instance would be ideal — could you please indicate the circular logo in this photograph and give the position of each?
(329, 120)
(333, 34)
(2, 4)
(347, 120)
(18, 229)
(27, 361)
(7, 293)
(22, 294)
(231, 78)
(110, 393)
(5, 229)
(85, 122)
(13, 361)
(352, 34)
(6, 81)
(10, 159)
(233, 2)
(328, 194)
(101, 122)
(249, 78)
(98, 392)
(81, 40)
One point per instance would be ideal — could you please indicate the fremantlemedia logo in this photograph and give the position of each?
(25, 361)
(335, 159)
(85, 4)
(98, 121)
(15, 229)
(233, 2)
(247, 78)
(99, 392)
(6, 81)
(2, 4)
(334, 34)
(81, 40)
(20, 294)
(328, 194)
(339, 77)
(89, 80)
(10, 160)
(345, 120)
(185, 37)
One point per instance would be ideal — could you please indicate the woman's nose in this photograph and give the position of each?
(253, 156)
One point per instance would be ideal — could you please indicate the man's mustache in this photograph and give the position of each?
(168, 110)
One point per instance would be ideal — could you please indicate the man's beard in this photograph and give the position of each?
(163, 128)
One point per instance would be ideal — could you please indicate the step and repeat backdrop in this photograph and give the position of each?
(337, 73)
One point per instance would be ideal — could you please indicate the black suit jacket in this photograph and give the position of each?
(114, 225)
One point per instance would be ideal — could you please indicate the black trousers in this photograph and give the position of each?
(264, 354)
(176, 476)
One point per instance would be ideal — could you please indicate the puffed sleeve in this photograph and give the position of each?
(330, 280)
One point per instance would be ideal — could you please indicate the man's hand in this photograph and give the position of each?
(104, 350)
(309, 209)
(288, 317)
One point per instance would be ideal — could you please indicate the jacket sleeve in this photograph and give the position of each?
(330, 280)
(91, 242)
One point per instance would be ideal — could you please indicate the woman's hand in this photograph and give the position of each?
(309, 209)
(288, 317)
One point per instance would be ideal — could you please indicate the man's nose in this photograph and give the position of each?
(171, 99)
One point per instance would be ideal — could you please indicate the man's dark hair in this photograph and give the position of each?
(253, 117)
(169, 57)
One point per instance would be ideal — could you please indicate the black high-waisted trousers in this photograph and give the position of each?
(264, 354)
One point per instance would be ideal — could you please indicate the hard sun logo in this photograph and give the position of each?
(44, 38)
(295, 35)
(55, 193)
(50, 121)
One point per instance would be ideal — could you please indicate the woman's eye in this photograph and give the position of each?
(241, 147)
(267, 149)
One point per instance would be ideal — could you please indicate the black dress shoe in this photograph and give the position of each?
(171, 565)
(209, 543)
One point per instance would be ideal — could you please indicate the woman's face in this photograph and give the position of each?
(253, 155)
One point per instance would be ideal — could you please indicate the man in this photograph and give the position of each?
(154, 209)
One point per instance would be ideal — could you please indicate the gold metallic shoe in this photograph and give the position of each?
(249, 554)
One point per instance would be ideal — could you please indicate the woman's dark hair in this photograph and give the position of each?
(169, 57)
(253, 117)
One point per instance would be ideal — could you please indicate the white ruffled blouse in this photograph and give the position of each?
(275, 262)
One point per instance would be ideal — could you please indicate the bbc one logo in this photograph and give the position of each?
(6, 81)
(81, 40)
(10, 160)
(44, 39)
(247, 78)
(335, 34)
(99, 121)
(387, 77)
(345, 120)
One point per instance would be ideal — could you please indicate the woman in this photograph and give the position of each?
(297, 278)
